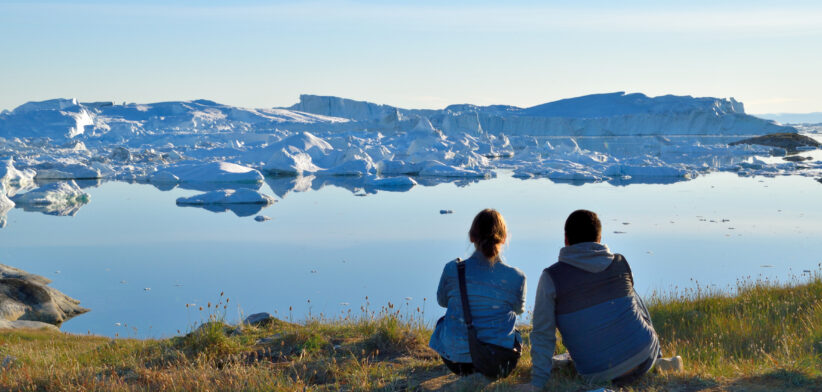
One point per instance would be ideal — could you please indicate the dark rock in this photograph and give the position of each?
(260, 319)
(788, 141)
(26, 297)
(796, 158)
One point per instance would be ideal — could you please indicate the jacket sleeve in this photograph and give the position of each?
(543, 334)
(519, 307)
(443, 288)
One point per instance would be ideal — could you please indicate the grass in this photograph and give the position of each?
(766, 336)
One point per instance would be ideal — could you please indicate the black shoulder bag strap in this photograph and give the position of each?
(466, 309)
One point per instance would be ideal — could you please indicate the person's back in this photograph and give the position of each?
(589, 296)
(495, 295)
(495, 292)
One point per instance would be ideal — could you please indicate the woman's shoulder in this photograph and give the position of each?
(451, 265)
(514, 271)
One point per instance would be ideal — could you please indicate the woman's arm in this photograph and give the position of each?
(443, 288)
(519, 307)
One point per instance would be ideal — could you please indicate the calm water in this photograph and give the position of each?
(334, 249)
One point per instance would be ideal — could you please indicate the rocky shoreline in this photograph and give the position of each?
(27, 302)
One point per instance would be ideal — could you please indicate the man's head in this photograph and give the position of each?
(582, 226)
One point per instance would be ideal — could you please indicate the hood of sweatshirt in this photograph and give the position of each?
(588, 256)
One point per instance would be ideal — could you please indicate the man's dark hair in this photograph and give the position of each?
(582, 226)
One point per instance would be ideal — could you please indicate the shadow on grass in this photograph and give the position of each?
(777, 380)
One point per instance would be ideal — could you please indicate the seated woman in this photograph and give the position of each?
(496, 295)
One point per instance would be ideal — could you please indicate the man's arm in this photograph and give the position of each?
(543, 334)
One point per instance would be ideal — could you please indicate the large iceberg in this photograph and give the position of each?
(613, 114)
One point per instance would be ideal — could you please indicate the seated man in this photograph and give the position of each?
(589, 295)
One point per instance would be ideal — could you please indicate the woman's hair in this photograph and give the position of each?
(488, 233)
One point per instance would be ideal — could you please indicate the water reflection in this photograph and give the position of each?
(241, 210)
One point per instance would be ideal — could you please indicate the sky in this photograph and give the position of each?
(414, 54)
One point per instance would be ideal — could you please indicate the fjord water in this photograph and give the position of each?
(136, 259)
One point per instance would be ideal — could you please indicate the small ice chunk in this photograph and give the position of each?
(261, 218)
(443, 212)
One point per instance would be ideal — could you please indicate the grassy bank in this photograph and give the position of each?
(765, 337)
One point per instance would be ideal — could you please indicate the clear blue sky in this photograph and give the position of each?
(424, 54)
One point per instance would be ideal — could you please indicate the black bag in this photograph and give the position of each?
(489, 359)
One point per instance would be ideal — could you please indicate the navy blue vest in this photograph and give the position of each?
(577, 289)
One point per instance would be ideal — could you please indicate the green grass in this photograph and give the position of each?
(766, 336)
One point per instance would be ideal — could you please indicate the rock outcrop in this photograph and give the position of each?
(26, 301)
(789, 141)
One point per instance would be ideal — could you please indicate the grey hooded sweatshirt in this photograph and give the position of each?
(604, 325)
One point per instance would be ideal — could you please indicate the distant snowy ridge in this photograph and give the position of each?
(613, 114)
(62, 119)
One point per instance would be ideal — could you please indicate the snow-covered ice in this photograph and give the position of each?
(228, 196)
(366, 147)
(58, 198)
(243, 201)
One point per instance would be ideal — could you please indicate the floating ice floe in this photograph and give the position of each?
(243, 201)
(228, 196)
(59, 198)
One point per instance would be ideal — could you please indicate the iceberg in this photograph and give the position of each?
(243, 202)
(611, 114)
(5, 206)
(212, 172)
(59, 198)
(13, 180)
(228, 196)
(394, 184)
(58, 171)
